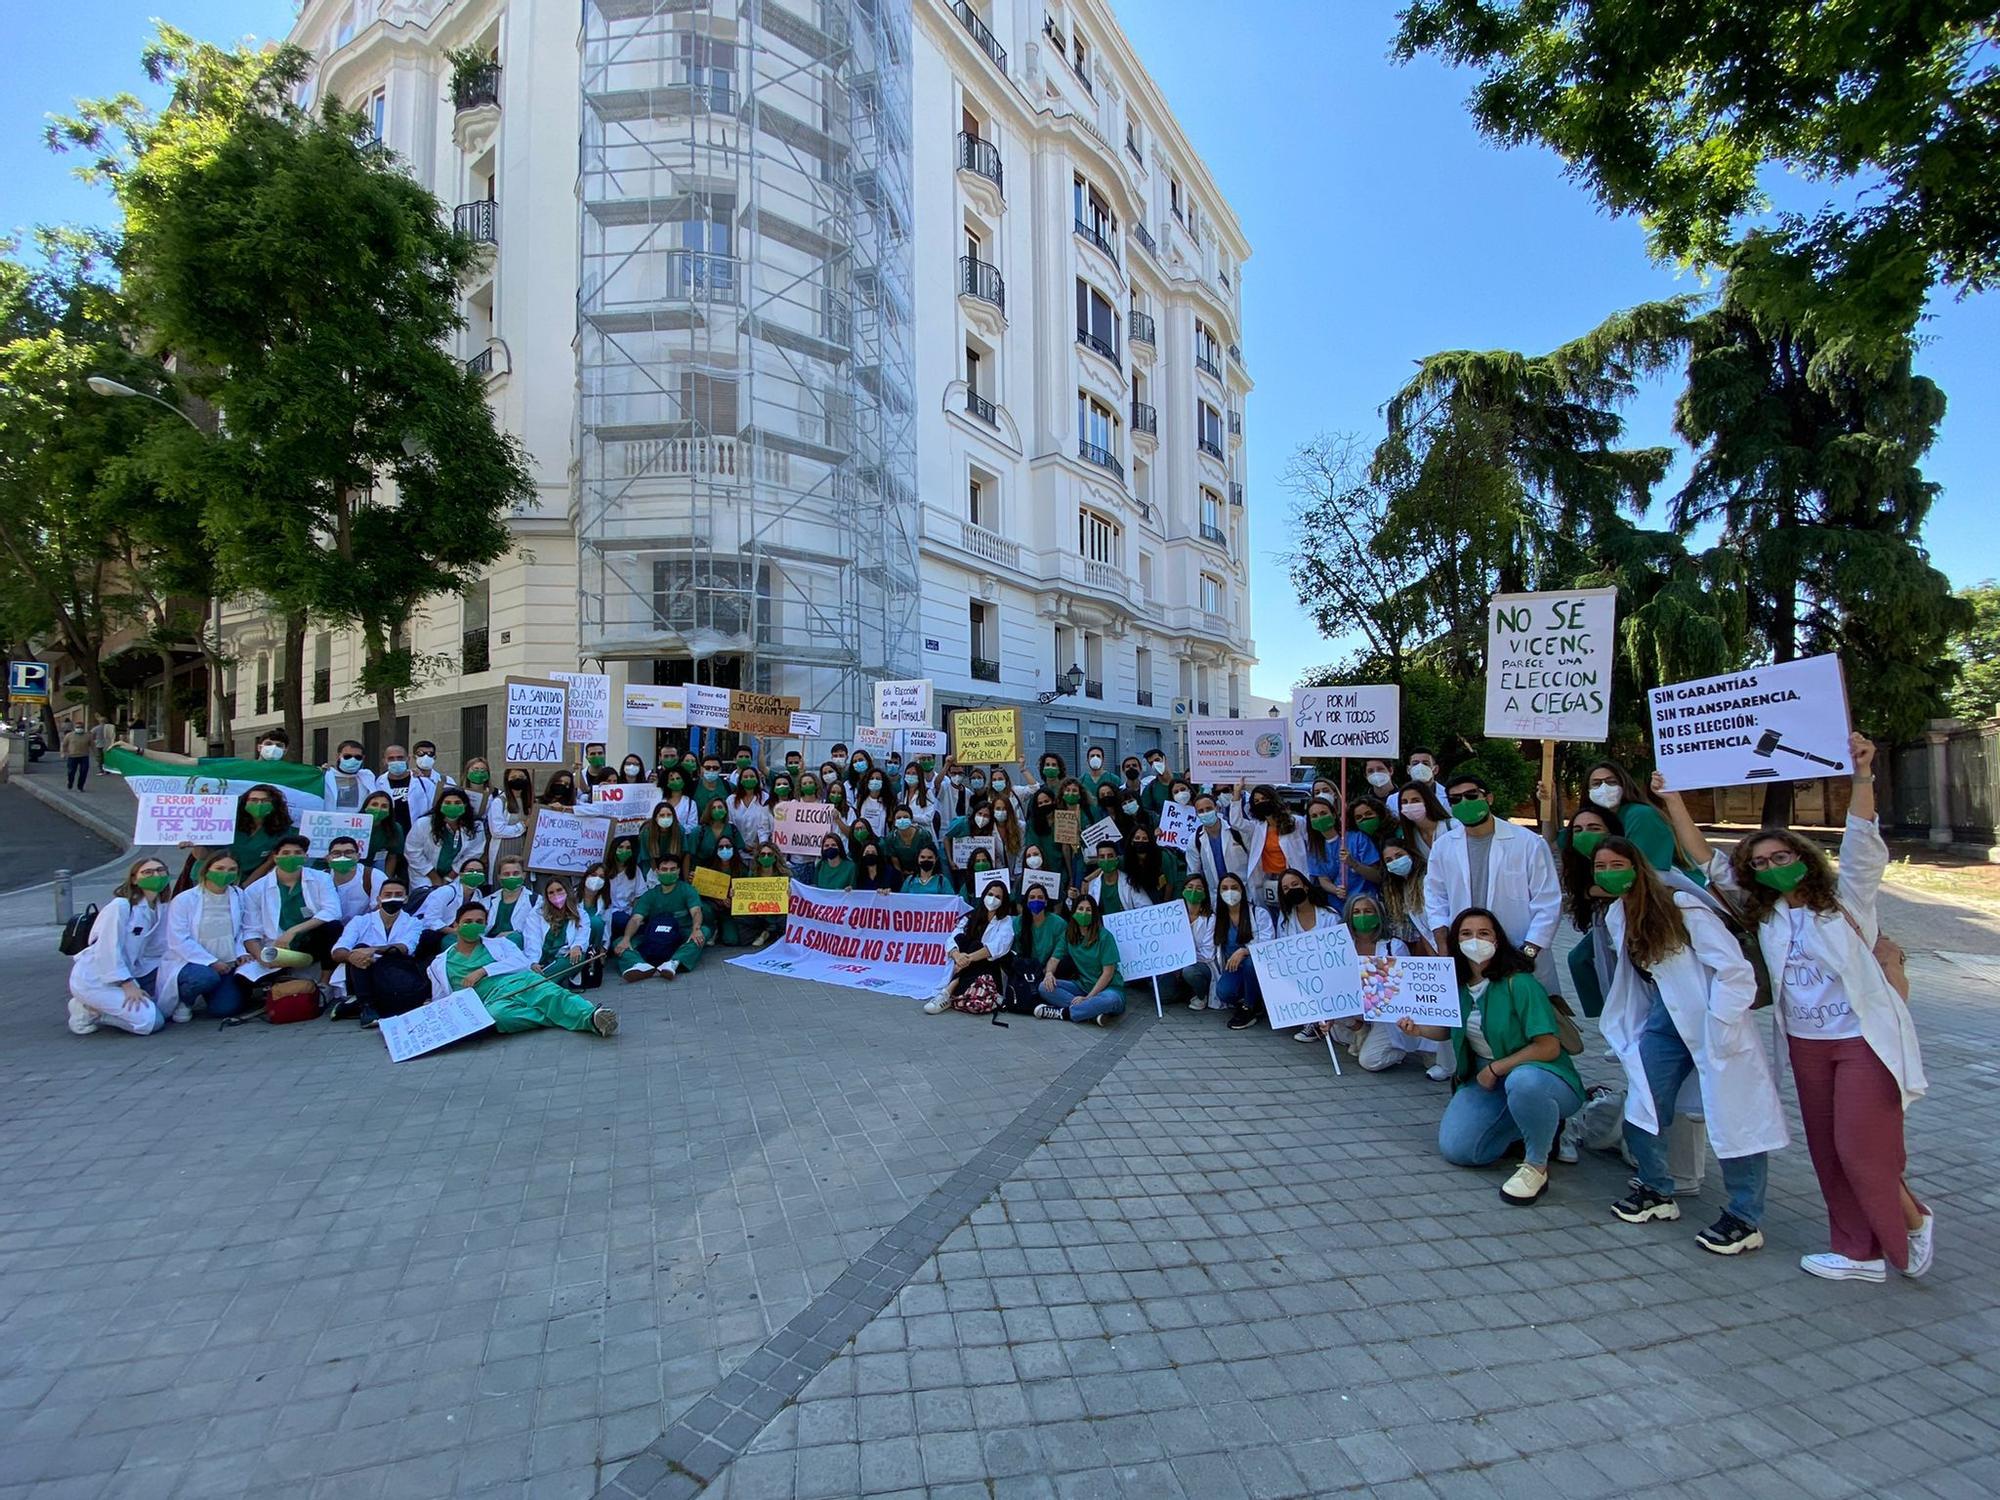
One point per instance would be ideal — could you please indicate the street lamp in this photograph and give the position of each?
(104, 385)
(1067, 685)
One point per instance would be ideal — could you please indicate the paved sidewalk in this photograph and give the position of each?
(105, 805)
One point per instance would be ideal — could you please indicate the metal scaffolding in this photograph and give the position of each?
(745, 491)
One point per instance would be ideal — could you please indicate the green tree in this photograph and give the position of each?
(1976, 646)
(1678, 112)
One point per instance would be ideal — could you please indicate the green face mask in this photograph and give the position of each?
(1107, 864)
(291, 864)
(377, 813)
(1585, 841)
(623, 856)
(512, 882)
(1325, 825)
(669, 879)
(1085, 918)
(767, 860)
(222, 880)
(153, 882)
(452, 811)
(1471, 811)
(1192, 897)
(1070, 799)
(1367, 921)
(341, 866)
(471, 932)
(478, 778)
(1050, 773)
(717, 813)
(1783, 878)
(597, 762)
(675, 785)
(472, 880)
(1616, 882)
(1368, 825)
(257, 809)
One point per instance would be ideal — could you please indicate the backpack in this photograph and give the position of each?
(293, 998)
(76, 932)
(1744, 933)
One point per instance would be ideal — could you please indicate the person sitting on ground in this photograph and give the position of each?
(979, 951)
(293, 909)
(767, 863)
(1379, 1045)
(1513, 1081)
(440, 909)
(593, 907)
(834, 871)
(386, 838)
(444, 841)
(378, 950)
(515, 996)
(1097, 993)
(115, 980)
(1041, 936)
(871, 871)
(1197, 979)
(353, 882)
(927, 878)
(631, 877)
(667, 929)
(559, 940)
(508, 909)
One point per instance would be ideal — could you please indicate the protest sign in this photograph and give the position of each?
(804, 727)
(918, 742)
(1243, 752)
(1309, 976)
(622, 799)
(761, 713)
(303, 786)
(1048, 882)
(567, 843)
(323, 827)
(759, 896)
(711, 885)
(1103, 831)
(707, 707)
(798, 827)
(876, 741)
(1548, 664)
(864, 940)
(537, 719)
(1423, 989)
(205, 818)
(903, 705)
(434, 1025)
(1152, 939)
(627, 828)
(1179, 826)
(655, 707)
(1331, 722)
(1784, 722)
(998, 874)
(1068, 826)
(986, 736)
(588, 721)
(968, 844)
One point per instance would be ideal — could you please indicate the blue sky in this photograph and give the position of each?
(1384, 229)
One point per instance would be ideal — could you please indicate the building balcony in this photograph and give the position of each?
(1145, 419)
(473, 655)
(1140, 328)
(1215, 534)
(1097, 345)
(476, 87)
(1145, 237)
(1236, 424)
(1206, 365)
(985, 670)
(979, 157)
(1236, 355)
(1209, 446)
(1144, 697)
(479, 221)
(978, 406)
(978, 279)
(1097, 237)
(481, 364)
(971, 538)
(1104, 458)
(1092, 688)
(987, 42)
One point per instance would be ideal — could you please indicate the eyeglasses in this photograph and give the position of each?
(1773, 861)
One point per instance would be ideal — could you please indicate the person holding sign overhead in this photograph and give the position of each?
(1097, 993)
(515, 996)
(1494, 865)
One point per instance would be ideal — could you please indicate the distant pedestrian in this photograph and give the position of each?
(137, 735)
(102, 736)
(76, 755)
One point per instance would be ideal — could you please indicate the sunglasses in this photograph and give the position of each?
(1474, 796)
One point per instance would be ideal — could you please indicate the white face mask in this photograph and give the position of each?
(999, 814)
(1477, 949)
(270, 752)
(1183, 797)
(1032, 859)
(1232, 898)
(1607, 794)
(1419, 771)
(1096, 762)
(593, 882)
(993, 903)
(425, 762)
(663, 818)
(1378, 779)
(1413, 812)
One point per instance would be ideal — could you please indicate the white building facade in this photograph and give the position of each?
(848, 338)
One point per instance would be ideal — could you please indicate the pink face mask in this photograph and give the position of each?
(558, 899)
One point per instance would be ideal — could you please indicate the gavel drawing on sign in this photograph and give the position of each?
(1769, 741)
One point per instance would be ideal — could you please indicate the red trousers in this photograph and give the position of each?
(1853, 1115)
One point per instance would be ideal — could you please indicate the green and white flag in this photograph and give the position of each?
(304, 786)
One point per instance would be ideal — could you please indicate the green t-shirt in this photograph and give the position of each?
(939, 884)
(291, 903)
(1091, 956)
(253, 848)
(833, 874)
(1046, 938)
(675, 904)
(1513, 1012)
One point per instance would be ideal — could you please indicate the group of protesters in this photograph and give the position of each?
(1680, 947)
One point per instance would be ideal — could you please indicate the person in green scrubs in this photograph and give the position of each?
(1097, 993)
(262, 818)
(667, 929)
(515, 996)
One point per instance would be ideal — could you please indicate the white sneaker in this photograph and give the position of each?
(1526, 1185)
(1831, 1267)
(1922, 1250)
(82, 1019)
(669, 969)
(1439, 1072)
(1045, 1013)
(1306, 1034)
(1199, 1002)
(637, 971)
(1566, 1151)
(935, 1006)
(182, 1014)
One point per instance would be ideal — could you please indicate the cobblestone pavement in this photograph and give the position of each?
(829, 1246)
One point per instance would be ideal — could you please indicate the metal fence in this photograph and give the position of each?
(1946, 786)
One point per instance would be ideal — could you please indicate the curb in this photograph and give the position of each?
(118, 834)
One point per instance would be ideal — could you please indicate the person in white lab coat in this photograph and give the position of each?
(1680, 1001)
(558, 938)
(1239, 922)
(294, 908)
(113, 982)
(353, 882)
(348, 779)
(447, 839)
(209, 959)
(376, 952)
(1489, 863)
(489, 806)
(1219, 849)
(1273, 841)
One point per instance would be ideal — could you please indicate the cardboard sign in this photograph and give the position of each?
(1309, 976)
(655, 707)
(966, 845)
(429, 1027)
(1068, 825)
(1179, 827)
(537, 721)
(918, 742)
(1242, 752)
(804, 727)
(761, 713)
(710, 885)
(1423, 989)
(588, 721)
(877, 742)
(1548, 664)
(1103, 831)
(762, 896)
(903, 705)
(567, 843)
(864, 940)
(323, 827)
(1152, 939)
(1331, 722)
(205, 818)
(1784, 722)
(986, 736)
(622, 799)
(707, 707)
(798, 827)
(1048, 882)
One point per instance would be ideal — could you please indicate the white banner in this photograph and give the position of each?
(1423, 989)
(1784, 722)
(903, 705)
(323, 827)
(622, 799)
(1152, 939)
(1309, 976)
(1179, 827)
(567, 843)
(1548, 664)
(1362, 722)
(925, 742)
(798, 827)
(589, 717)
(1241, 752)
(204, 818)
(432, 1026)
(864, 940)
(707, 707)
(655, 707)
(805, 726)
(1048, 882)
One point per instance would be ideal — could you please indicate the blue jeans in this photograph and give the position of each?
(1109, 1001)
(1237, 988)
(77, 769)
(226, 994)
(1667, 1062)
(1479, 1124)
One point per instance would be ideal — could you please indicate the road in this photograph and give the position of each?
(36, 841)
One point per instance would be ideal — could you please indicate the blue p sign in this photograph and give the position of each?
(27, 679)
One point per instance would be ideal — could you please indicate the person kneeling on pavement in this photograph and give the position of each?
(665, 933)
(515, 996)
(377, 951)
(115, 981)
